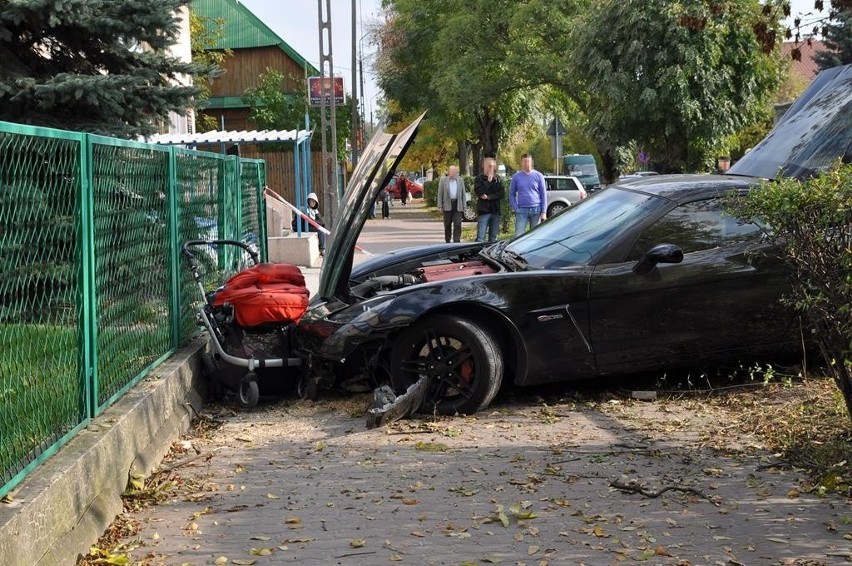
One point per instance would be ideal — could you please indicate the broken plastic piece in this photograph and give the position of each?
(389, 407)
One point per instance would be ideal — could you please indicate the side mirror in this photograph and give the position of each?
(661, 253)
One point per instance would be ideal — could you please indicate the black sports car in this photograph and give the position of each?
(647, 274)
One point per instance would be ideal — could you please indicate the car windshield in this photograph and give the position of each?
(583, 169)
(813, 133)
(584, 231)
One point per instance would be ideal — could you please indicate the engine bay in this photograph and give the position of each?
(423, 272)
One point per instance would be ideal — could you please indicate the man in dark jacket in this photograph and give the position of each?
(489, 192)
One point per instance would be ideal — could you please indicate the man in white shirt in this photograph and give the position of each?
(452, 199)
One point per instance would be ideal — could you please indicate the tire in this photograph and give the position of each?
(555, 209)
(462, 360)
(249, 391)
(307, 388)
(210, 372)
(469, 214)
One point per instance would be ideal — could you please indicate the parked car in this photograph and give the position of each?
(652, 274)
(415, 190)
(562, 192)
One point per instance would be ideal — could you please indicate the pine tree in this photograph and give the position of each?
(838, 40)
(99, 66)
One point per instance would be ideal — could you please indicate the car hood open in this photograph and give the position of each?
(375, 169)
(814, 132)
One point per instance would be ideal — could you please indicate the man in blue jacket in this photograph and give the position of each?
(528, 196)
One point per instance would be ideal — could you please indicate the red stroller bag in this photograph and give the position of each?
(265, 293)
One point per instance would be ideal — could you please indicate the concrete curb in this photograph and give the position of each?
(67, 503)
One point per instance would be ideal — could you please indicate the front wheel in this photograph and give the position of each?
(469, 213)
(249, 391)
(460, 358)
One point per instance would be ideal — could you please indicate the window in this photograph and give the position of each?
(695, 226)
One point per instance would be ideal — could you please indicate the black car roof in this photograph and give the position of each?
(685, 188)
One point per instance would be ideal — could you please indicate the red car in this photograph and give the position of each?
(415, 190)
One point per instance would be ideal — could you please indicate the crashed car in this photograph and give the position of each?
(649, 275)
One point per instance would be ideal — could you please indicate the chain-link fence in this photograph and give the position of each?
(93, 291)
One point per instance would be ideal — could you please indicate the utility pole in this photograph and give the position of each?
(353, 135)
(328, 121)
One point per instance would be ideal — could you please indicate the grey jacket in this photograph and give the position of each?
(444, 203)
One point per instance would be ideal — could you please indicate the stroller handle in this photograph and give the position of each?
(192, 243)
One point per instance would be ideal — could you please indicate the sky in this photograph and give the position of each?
(297, 23)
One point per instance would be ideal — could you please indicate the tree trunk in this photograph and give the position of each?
(489, 134)
(476, 149)
(463, 157)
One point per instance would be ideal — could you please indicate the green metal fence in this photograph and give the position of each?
(93, 291)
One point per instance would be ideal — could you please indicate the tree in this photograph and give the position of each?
(273, 108)
(94, 65)
(838, 40)
(676, 77)
(472, 69)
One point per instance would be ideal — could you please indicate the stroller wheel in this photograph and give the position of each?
(210, 371)
(249, 392)
(307, 388)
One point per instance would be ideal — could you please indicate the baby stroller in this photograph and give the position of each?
(250, 319)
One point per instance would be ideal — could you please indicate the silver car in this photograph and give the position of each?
(562, 192)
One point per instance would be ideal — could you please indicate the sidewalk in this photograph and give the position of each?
(409, 225)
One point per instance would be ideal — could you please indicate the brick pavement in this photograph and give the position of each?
(307, 483)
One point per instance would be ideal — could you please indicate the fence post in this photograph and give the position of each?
(88, 303)
(174, 250)
(261, 211)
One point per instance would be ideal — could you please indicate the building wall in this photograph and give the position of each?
(244, 68)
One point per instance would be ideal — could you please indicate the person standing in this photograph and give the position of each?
(385, 198)
(528, 196)
(722, 165)
(314, 220)
(489, 192)
(451, 201)
(403, 189)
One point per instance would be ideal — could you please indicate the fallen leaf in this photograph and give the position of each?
(491, 559)
(431, 446)
(599, 532)
(272, 496)
(221, 560)
(778, 540)
(532, 550)
(260, 551)
(259, 537)
(661, 551)
(357, 543)
(395, 558)
(410, 502)
(417, 534)
(243, 562)
(292, 520)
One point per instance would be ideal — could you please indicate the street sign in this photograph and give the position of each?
(334, 90)
(556, 128)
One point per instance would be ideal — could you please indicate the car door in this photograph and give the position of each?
(721, 301)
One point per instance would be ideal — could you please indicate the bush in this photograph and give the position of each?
(811, 223)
